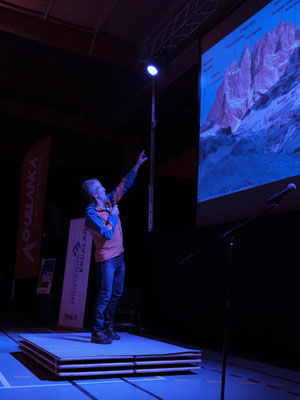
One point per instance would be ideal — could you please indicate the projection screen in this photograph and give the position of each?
(249, 99)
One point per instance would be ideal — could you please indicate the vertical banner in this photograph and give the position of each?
(32, 198)
(72, 306)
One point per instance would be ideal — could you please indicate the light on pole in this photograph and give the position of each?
(153, 71)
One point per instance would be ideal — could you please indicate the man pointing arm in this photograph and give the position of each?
(103, 221)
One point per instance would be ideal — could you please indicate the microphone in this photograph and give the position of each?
(278, 196)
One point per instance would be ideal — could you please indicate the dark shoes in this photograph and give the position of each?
(110, 333)
(101, 338)
(105, 336)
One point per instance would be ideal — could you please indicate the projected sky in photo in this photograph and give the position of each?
(250, 104)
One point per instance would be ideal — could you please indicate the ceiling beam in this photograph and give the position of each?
(73, 39)
(48, 6)
(103, 16)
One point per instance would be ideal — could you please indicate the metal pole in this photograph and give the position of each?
(227, 315)
(152, 160)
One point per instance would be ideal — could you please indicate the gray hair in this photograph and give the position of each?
(88, 189)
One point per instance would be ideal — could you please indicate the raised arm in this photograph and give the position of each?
(116, 195)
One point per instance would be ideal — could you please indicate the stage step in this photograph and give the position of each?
(73, 354)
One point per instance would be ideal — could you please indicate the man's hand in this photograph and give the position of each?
(141, 159)
(115, 210)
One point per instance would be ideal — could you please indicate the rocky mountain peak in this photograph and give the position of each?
(255, 74)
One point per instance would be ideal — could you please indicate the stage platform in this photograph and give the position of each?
(23, 378)
(73, 354)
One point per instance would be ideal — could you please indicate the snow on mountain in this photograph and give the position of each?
(264, 147)
(256, 73)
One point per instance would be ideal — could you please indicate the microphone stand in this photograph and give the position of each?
(231, 234)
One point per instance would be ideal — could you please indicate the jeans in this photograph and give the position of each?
(110, 282)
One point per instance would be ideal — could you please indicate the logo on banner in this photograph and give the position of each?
(78, 264)
(28, 217)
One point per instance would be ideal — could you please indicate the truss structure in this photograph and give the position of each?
(186, 22)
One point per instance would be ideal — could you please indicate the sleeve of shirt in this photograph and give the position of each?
(95, 223)
(116, 195)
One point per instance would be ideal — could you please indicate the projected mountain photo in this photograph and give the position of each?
(251, 132)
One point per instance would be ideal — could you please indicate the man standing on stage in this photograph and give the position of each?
(102, 220)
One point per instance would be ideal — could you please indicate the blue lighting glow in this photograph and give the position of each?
(152, 70)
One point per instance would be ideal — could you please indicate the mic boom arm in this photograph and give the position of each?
(276, 198)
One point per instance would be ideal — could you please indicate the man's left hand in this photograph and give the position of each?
(142, 158)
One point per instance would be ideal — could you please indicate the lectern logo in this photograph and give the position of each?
(76, 249)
